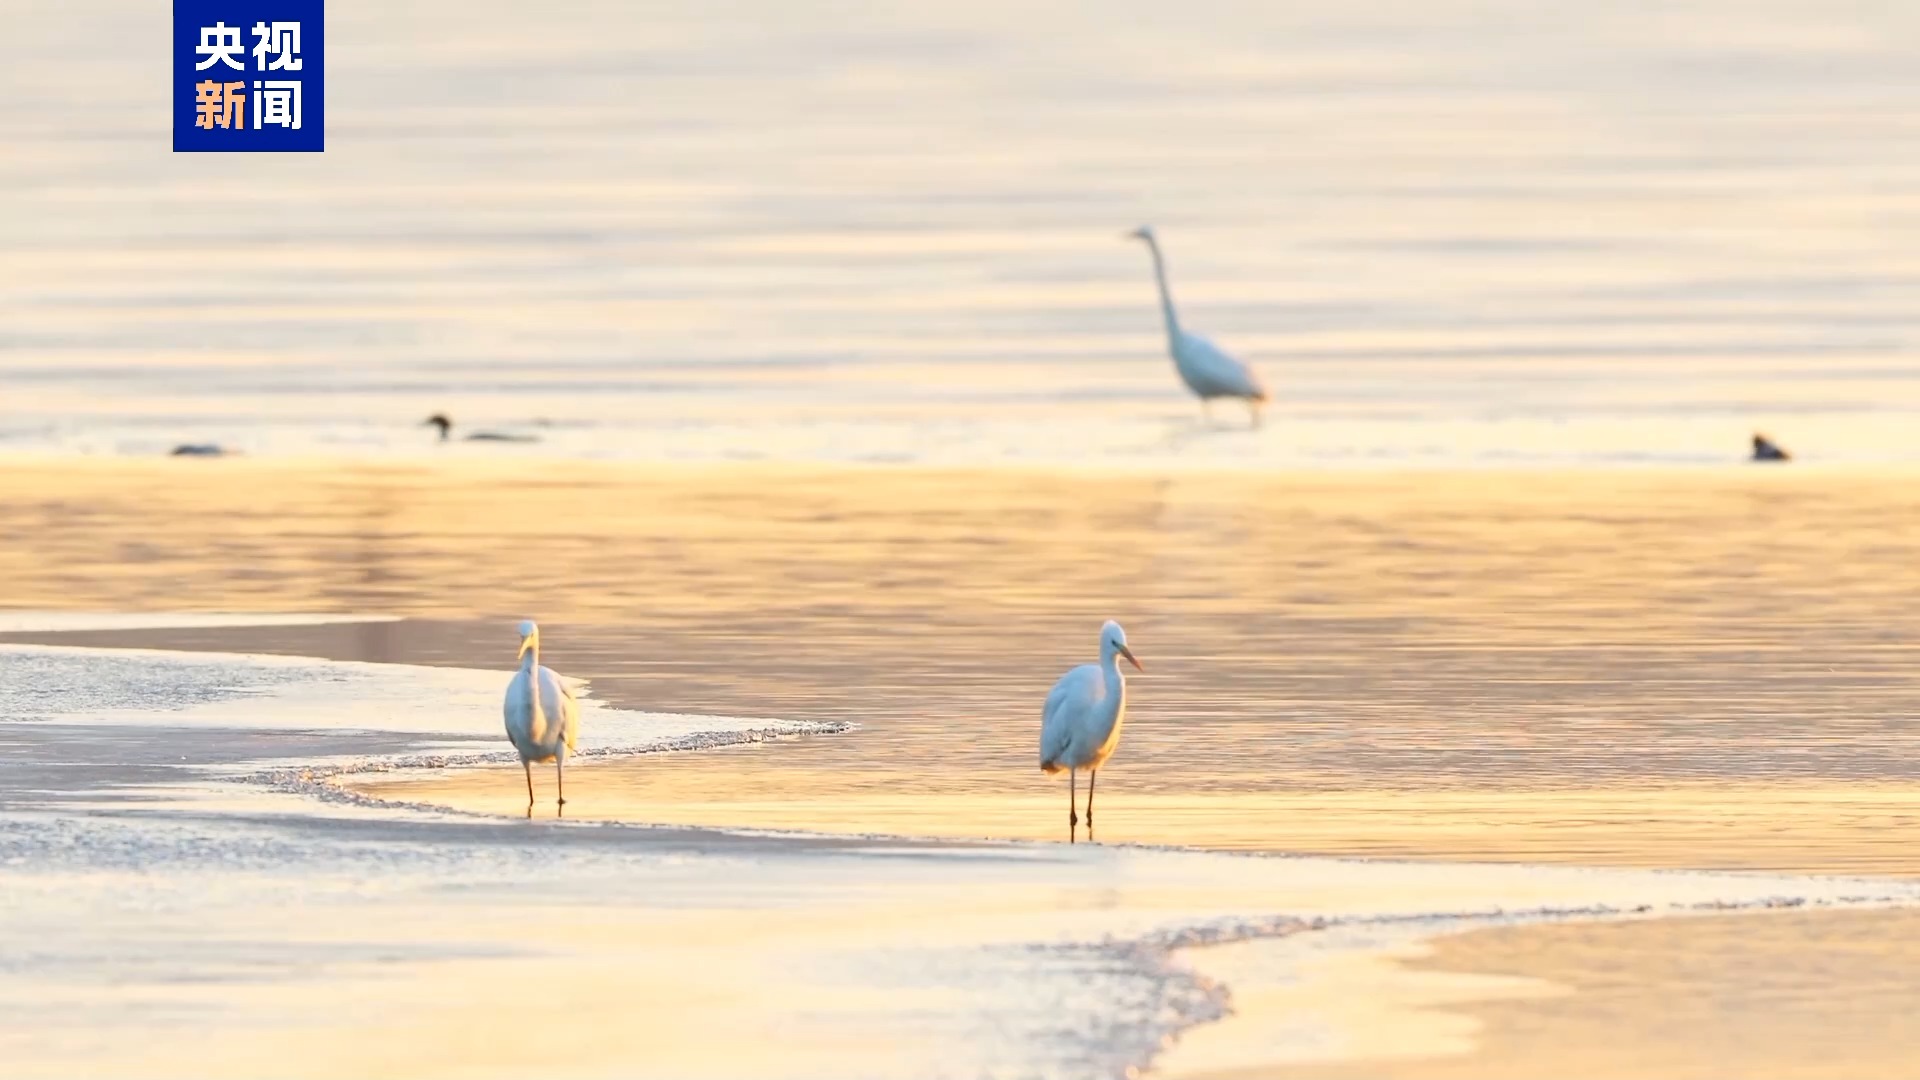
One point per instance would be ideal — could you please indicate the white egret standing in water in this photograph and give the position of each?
(1206, 368)
(542, 724)
(1080, 725)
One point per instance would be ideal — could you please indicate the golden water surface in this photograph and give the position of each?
(1665, 667)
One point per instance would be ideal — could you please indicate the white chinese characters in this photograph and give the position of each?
(219, 43)
(276, 103)
(279, 41)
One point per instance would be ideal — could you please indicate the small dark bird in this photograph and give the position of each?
(445, 425)
(201, 450)
(1765, 450)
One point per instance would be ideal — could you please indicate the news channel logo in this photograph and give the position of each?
(249, 76)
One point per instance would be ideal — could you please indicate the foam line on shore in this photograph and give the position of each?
(425, 717)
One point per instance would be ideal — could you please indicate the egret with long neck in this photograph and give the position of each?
(1207, 369)
(543, 719)
(1080, 724)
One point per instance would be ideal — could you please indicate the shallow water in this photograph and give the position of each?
(1675, 668)
(1481, 232)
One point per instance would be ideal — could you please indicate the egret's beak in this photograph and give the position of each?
(526, 646)
(1136, 234)
(1131, 659)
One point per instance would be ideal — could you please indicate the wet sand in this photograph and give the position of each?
(171, 922)
(1680, 999)
(221, 932)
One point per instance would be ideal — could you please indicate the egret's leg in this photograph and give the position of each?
(1253, 409)
(528, 767)
(1092, 775)
(1073, 809)
(560, 776)
(1206, 410)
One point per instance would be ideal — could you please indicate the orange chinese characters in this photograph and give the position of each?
(219, 104)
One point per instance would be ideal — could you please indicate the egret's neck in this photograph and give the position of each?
(1166, 294)
(1110, 670)
(530, 667)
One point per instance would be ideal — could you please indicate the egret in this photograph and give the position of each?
(1765, 449)
(445, 425)
(1207, 369)
(1080, 725)
(542, 725)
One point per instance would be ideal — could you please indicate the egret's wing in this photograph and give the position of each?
(556, 697)
(1213, 372)
(571, 708)
(1075, 691)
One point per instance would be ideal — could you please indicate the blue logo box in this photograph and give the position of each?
(249, 76)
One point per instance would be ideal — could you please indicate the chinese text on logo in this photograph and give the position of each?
(248, 75)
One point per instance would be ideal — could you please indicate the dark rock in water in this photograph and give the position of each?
(201, 450)
(1765, 450)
